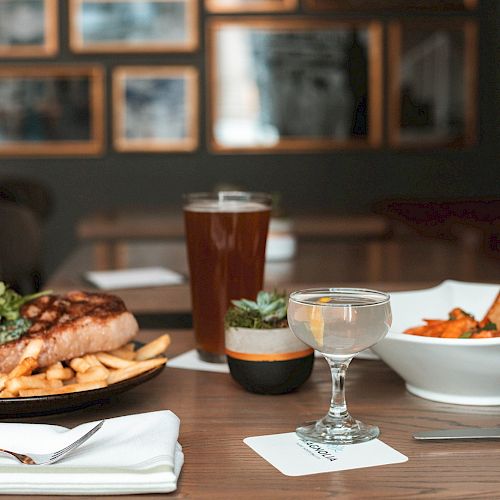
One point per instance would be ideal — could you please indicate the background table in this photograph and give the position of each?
(316, 264)
(216, 415)
(111, 231)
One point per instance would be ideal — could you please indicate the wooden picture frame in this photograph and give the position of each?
(433, 81)
(305, 99)
(28, 28)
(166, 106)
(97, 26)
(52, 110)
(222, 6)
(391, 5)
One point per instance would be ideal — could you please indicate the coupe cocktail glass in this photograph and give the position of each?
(339, 323)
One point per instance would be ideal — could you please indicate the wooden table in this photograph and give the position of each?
(316, 264)
(216, 415)
(111, 231)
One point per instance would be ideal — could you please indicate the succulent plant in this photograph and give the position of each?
(267, 311)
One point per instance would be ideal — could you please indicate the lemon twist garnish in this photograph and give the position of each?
(317, 324)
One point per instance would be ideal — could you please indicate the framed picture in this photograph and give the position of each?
(250, 5)
(125, 26)
(294, 84)
(51, 110)
(28, 28)
(433, 83)
(378, 5)
(155, 108)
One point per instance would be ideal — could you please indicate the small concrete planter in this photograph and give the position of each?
(268, 361)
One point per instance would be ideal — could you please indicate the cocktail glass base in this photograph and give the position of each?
(211, 357)
(327, 433)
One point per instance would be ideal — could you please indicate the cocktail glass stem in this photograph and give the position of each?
(337, 426)
(338, 415)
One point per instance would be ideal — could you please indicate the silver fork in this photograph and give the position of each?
(50, 458)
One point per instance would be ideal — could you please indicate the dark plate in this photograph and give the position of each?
(59, 403)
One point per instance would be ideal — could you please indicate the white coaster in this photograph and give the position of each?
(295, 457)
(134, 278)
(191, 361)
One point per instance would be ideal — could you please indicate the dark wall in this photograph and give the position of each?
(339, 181)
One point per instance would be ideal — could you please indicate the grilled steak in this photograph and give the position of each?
(71, 325)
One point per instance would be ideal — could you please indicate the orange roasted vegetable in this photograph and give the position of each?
(457, 327)
(462, 325)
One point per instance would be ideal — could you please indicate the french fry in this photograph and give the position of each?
(113, 361)
(58, 372)
(153, 348)
(134, 369)
(92, 360)
(79, 365)
(92, 371)
(32, 350)
(123, 353)
(25, 367)
(93, 374)
(18, 384)
(63, 390)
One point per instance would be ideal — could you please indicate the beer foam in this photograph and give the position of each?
(229, 206)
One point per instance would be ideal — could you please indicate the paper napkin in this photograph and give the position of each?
(134, 278)
(131, 454)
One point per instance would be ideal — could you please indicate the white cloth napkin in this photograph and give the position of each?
(131, 454)
(134, 278)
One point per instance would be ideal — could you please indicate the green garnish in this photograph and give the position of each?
(13, 329)
(268, 311)
(12, 325)
(466, 335)
(11, 302)
(489, 326)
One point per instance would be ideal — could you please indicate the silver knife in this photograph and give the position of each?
(467, 433)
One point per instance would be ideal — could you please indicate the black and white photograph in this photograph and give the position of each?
(133, 25)
(50, 110)
(155, 108)
(28, 28)
(294, 84)
(433, 83)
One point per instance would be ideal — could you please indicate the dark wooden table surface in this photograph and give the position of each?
(110, 231)
(316, 263)
(216, 415)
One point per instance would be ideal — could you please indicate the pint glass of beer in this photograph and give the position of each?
(226, 236)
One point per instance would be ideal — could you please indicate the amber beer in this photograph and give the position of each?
(226, 240)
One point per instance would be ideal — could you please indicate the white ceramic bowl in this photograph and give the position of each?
(459, 371)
